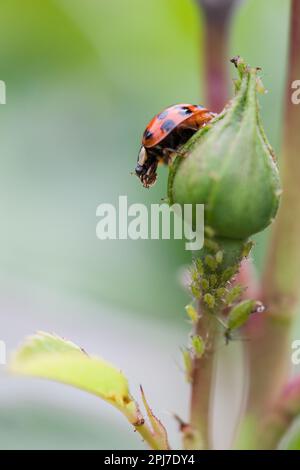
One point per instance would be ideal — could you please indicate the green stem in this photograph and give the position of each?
(282, 276)
(149, 437)
(202, 380)
(155, 437)
(281, 416)
(217, 20)
(216, 32)
(216, 74)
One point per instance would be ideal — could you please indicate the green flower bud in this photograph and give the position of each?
(230, 167)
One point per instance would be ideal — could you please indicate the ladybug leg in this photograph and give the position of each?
(168, 152)
(177, 151)
(149, 178)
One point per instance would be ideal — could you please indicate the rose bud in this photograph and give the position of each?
(229, 166)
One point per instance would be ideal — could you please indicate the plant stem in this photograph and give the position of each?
(216, 75)
(281, 416)
(269, 351)
(217, 19)
(202, 379)
(153, 433)
(149, 437)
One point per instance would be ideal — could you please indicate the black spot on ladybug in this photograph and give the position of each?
(168, 125)
(185, 111)
(162, 115)
(147, 134)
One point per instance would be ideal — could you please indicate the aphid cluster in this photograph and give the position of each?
(213, 285)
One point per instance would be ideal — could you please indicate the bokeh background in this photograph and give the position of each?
(83, 78)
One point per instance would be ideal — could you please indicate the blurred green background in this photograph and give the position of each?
(83, 78)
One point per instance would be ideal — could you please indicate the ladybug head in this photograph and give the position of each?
(142, 158)
(146, 168)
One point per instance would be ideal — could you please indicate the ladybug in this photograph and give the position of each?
(165, 134)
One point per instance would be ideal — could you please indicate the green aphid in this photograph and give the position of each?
(211, 245)
(192, 313)
(211, 262)
(199, 266)
(213, 280)
(229, 273)
(209, 300)
(239, 315)
(188, 364)
(196, 291)
(247, 248)
(198, 346)
(209, 231)
(219, 256)
(234, 293)
(221, 292)
(204, 284)
(194, 275)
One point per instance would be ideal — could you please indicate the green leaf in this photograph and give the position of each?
(158, 429)
(246, 438)
(291, 440)
(51, 357)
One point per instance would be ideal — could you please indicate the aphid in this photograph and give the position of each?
(239, 315)
(198, 346)
(192, 313)
(165, 134)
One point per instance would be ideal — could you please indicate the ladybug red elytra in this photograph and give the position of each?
(165, 133)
